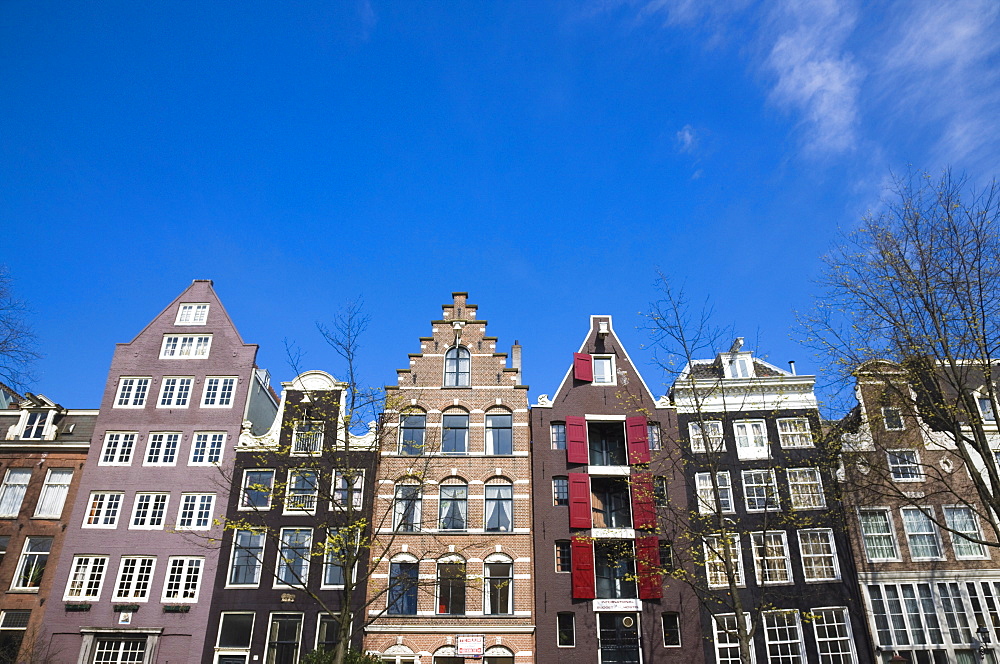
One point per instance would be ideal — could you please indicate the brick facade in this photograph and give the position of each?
(479, 386)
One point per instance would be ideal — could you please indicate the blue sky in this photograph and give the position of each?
(546, 157)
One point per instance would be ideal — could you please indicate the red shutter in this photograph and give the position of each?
(583, 367)
(583, 568)
(647, 568)
(576, 440)
(643, 508)
(579, 501)
(637, 436)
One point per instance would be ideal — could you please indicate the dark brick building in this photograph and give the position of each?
(599, 593)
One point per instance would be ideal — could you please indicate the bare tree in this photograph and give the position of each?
(329, 443)
(18, 344)
(705, 541)
(730, 405)
(910, 308)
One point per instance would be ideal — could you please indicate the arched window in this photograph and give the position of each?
(403, 575)
(499, 507)
(451, 582)
(499, 432)
(457, 367)
(453, 505)
(455, 432)
(499, 585)
(406, 508)
(411, 433)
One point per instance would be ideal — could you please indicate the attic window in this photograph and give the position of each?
(192, 314)
(741, 367)
(34, 427)
(604, 369)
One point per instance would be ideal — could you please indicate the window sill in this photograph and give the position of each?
(23, 591)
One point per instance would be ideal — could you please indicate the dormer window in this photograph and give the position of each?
(34, 427)
(986, 409)
(740, 366)
(192, 314)
(457, 367)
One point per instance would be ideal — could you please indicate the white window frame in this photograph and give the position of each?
(137, 572)
(356, 492)
(209, 445)
(153, 497)
(184, 566)
(797, 640)
(498, 559)
(92, 568)
(222, 651)
(314, 435)
(124, 448)
(703, 483)
(891, 534)
(282, 561)
(104, 508)
(832, 555)
(773, 484)
(23, 560)
(195, 501)
(732, 641)
(795, 495)
(174, 346)
(612, 379)
(174, 400)
(752, 450)
(222, 386)
(716, 437)
(985, 405)
(653, 435)
(308, 507)
(956, 538)
(302, 624)
(663, 629)
(56, 488)
(572, 615)
(192, 313)
(885, 418)
(161, 454)
(927, 513)
(14, 488)
(760, 556)
(712, 547)
(243, 507)
(232, 559)
(136, 394)
(554, 435)
(848, 638)
(894, 454)
(792, 435)
(35, 423)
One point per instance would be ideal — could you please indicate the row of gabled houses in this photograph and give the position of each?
(201, 516)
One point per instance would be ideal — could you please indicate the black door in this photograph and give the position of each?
(619, 634)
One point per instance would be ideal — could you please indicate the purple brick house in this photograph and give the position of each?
(134, 581)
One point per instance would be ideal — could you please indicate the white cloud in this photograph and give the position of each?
(814, 74)
(686, 139)
(893, 79)
(939, 74)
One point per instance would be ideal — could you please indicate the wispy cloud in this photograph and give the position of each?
(940, 73)
(686, 139)
(814, 74)
(893, 80)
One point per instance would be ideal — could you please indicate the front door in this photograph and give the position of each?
(619, 638)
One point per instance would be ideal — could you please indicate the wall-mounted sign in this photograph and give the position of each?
(469, 645)
(617, 605)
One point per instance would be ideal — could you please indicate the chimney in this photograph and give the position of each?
(791, 367)
(515, 359)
